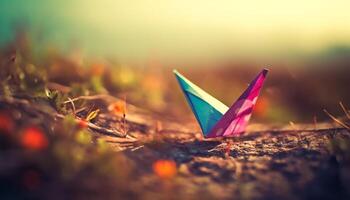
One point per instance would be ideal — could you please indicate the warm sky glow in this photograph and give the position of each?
(144, 27)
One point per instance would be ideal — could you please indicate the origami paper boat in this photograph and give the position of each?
(214, 117)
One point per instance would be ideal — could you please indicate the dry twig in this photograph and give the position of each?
(347, 113)
(337, 120)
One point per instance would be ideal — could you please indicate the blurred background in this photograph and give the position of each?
(129, 48)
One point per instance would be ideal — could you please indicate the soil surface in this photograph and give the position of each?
(276, 164)
(267, 162)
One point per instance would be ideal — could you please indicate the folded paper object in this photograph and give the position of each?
(214, 117)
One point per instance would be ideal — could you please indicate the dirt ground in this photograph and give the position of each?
(268, 162)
